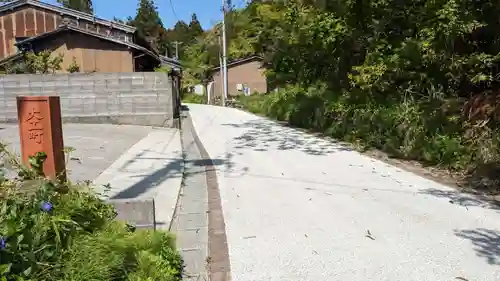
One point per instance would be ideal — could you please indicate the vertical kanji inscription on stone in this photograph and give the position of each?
(40, 129)
(34, 125)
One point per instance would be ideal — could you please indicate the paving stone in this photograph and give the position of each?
(195, 260)
(140, 212)
(191, 220)
(192, 238)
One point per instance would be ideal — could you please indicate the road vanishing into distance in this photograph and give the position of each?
(299, 207)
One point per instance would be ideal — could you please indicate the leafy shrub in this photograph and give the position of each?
(53, 230)
(194, 98)
(73, 67)
(253, 103)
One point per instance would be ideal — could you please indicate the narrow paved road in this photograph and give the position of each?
(298, 207)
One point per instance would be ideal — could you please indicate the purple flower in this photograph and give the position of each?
(3, 243)
(46, 206)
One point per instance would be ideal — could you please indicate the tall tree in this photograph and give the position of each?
(149, 25)
(184, 34)
(79, 5)
(195, 27)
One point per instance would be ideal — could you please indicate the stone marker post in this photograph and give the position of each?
(40, 128)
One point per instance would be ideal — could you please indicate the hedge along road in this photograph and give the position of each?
(298, 207)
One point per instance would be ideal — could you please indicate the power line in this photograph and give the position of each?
(173, 10)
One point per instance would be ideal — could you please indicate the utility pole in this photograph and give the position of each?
(177, 49)
(220, 63)
(224, 53)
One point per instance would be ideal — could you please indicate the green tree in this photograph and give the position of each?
(79, 5)
(149, 25)
(183, 33)
(195, 28)
(197, 64)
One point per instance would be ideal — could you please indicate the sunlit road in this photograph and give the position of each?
(298, 207)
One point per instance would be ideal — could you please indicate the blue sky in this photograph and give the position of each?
(208, 11)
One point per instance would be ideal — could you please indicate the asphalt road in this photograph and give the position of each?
(298, 207)
(96, 146)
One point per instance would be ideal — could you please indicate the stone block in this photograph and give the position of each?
(137, 212)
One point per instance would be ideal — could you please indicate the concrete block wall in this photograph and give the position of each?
(139, 98)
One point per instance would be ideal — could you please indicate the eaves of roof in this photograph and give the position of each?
(67, 27)
(240, 61)
(66, 11)
(171, 61)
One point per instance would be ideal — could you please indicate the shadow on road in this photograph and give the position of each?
(266, 135)
(486, 243)
(173, 169)
(463, 199)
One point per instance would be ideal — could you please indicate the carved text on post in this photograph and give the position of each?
(35, 126)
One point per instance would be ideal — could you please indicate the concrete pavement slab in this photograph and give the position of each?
(190, 223)
(152, 168)
(298, 207)
(96, 146)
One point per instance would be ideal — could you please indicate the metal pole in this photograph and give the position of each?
(176, 50)
(224, 53)
(220, 65)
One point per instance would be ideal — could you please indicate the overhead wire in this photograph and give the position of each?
(173, 10)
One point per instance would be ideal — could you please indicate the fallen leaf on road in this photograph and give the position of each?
(461, 278)
(315, 252)
(369, 235)
(76, 159)
(306, 235)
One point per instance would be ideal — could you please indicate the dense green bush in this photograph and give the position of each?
(253, 103)
(53, 230)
